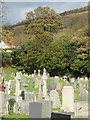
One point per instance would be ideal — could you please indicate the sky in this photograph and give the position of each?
(15, 11)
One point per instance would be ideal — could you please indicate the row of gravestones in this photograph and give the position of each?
(23, 106)
(83, 82)
(53, 83)
(54, 97)
(56, 101)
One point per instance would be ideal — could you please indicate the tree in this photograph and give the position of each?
(29, 55)
(42, 19)
(57, 57)
(80, 43)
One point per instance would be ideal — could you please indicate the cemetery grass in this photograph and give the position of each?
(13, 116)
(77, 95)
(9, 70)
(56, 109)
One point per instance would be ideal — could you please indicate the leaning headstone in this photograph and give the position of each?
(54, 97)
(68, 99)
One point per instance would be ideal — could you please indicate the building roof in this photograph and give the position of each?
(3, 45)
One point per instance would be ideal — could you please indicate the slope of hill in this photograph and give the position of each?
(72, 21)
(76, 21)
(19, 35)
(78, 10)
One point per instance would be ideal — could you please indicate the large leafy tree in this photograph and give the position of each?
(80, 43)
(29, 55)
(42, 19)
(58, 57)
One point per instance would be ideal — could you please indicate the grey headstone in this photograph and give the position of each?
(35, 110)
(41, 109)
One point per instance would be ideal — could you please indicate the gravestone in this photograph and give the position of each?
(68, 99)
(59, 87)
(72, 80)
(60, 116)
(17, 90)
(24, 87)
(6, 110)
(50, 85)
(22, 95)
(24, 107)
(84, 95)
(35, 110)
(54, 97)
(86, 82)
(44, 87)
(65, 78)
(17, 108)
(2, 102)
(32, 81)
(40, 109)
(40, 92)
(18, 76)
(30, 96)
(7, 90)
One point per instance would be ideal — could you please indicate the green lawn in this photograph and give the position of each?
(77, 95)
(14, 116)
(9, 70)
(56, 109)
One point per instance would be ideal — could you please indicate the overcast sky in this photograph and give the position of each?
(16, 10)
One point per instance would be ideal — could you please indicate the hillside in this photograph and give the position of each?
(78, 10)
(19, 35)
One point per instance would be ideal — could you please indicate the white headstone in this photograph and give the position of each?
(44, 78)
(7, 90)
(54, 97)
(17, 90)
(24, 107)
(30, 96)
(68, 99)
(17, 108)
